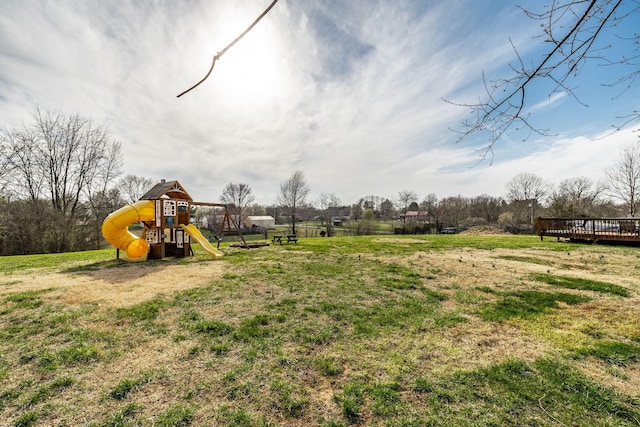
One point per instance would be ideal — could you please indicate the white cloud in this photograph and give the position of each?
(549, 102)
(358, 109)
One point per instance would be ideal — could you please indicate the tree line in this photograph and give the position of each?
(527, 197)
(60, 176)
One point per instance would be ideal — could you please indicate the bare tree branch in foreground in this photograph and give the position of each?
(230, 45)
(572, 28)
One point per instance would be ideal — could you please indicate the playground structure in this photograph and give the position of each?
(165, 212)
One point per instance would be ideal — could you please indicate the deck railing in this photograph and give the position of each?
(590, 229)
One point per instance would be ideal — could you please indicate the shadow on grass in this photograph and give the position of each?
(119, 271)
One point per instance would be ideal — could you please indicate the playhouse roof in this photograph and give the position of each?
(170, 189)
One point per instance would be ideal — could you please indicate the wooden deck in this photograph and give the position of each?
(624, 230)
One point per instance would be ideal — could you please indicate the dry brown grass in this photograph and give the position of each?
(484, 230)
(296, 288)
(117, 287)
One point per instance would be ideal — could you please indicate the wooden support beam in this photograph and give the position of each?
(218, 205)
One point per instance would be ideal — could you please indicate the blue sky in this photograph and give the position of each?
(351, 93)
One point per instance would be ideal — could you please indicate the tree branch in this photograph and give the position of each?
(230, 45)
(506, 99)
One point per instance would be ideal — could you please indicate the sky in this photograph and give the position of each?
(350, 93)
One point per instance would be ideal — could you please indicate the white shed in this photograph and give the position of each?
(263, 221)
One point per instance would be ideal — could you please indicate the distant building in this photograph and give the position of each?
(260, 221)
(339, 220)
(415, 216)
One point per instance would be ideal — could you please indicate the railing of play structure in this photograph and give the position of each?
(590, 229)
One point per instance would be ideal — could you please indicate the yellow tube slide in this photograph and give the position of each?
(115, 228)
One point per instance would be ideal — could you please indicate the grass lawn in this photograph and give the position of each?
(446, 330)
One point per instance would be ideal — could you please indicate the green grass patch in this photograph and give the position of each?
(239, 417)
(613, 352)
(74, 355)
(329, 366)
(127, 385)
(208, 327)
(318, 334)
(381, 399)
(27, 419)
(47, 390)
(256, 327)
(287, 398)
(385, 399)
(121, 390)
(582, 284)
(78, 354)
(547, 392)
(122, 417)
(26, 299)
(18, 263)
(525, 304)
(396, 276)
(351, 401)
(212, 327)
(175, 416)
(144, 311)
(408, 312)
(449, 319)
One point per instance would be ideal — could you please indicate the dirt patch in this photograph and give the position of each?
(399, 240)
(484, 230)
(118, 287)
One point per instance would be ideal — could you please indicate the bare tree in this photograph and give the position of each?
(293, 193)
(133, 187)
(4, 159)
(485, 208)
(238, 197)
(367, 224)
(22, 175)
(526, 186)
(63, 160)
(26, 215)
(356, 211)
(101, 197)
(327, 204)
(453, 210)
(387, 209)
(406, 198)
(430, 205)
(257, 209)
(623, 178)
(525, 191)
(575, 197)
(572, 30)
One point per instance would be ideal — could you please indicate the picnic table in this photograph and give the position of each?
(290, 238)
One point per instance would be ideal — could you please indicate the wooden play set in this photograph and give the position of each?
(165, 214)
